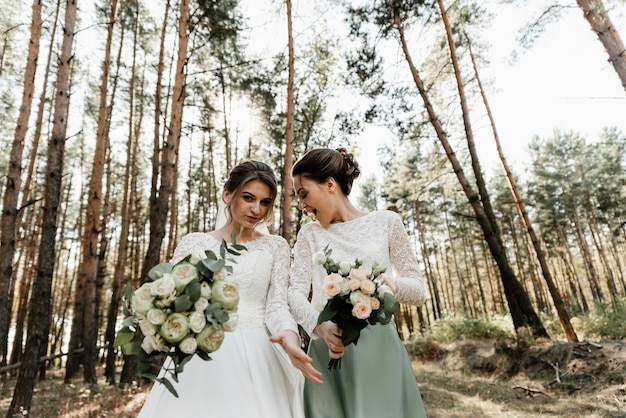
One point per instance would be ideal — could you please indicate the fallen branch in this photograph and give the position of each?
(530, 391)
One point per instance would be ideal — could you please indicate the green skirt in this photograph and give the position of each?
(376, 379)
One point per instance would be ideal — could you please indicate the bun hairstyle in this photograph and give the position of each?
(245, 172)
(321, 163)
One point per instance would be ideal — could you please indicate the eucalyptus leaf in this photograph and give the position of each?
(159, 270)
(183, 303)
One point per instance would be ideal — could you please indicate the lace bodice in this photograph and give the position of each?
(261, 272)
(378, 236)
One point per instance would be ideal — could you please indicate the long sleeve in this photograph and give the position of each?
(277, 314)
(406, 278)
(300, 280)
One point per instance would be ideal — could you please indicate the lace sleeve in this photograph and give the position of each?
(407, 280)
(185, 247)
(300, 284)
(277, 314)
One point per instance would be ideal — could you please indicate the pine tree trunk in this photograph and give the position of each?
(40, 306)
(289, 134)
(14, 182)
(601, 24)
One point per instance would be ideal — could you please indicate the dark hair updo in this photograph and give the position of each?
(321, 163)
(244, 173)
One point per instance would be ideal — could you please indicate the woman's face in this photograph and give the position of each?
(313, 198)
(251, 205)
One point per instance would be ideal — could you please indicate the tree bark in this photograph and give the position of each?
(14, 181)
(289, 134)
(38, 325)
(601, 24)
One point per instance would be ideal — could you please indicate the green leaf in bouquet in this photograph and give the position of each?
(165, 382)
(327, 314)
(204, 356)
(215, 314)
(183, 303)
(214, 265)
(159, 270)
(391, 305)
(181, 362)
(128, 291)
(132, 348)
(123, 336)
(351, 331)
(193, 291)
(130, 321)
(210, 255)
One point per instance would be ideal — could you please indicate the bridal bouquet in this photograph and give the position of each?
(357, 296)
(183, 311)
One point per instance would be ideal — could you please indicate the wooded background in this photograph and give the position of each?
(121, 120)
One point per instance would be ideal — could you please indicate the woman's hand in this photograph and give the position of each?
(331, 333)
(290, 341)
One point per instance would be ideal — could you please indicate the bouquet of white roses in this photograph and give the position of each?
(183, 311)
(357, 296)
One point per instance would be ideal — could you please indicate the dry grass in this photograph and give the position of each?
(466, 379)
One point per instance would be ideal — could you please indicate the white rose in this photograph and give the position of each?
(231, 324)
(141, 300)
(359, 297)
(319, 258)
(359, 274)
(201, 304)
(152, 343)
(210, 338)
(345, 267)
(362, 310)
(163, 286)
(205, 290)
(375, 303)
(368, 287)
(354, 284)
(226, 293)
(147, 328)
(188, 345)
(175, 328)
(156, 316)
(184, 273)
(197, 321)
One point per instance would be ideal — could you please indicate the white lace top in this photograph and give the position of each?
(378, 236)
(262, 273)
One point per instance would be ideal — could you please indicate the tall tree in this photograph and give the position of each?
(287, 196)
(14, 181)
(160, 206)
(596, 14)
(38, 324)
(85, 316)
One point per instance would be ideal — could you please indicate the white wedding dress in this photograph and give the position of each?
(248, 376)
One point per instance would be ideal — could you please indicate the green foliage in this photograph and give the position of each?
(455, 328)
(602, 322)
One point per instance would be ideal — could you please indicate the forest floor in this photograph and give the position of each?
(469, 378)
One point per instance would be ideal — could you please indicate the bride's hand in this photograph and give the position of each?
(290, 341)
(331, 333)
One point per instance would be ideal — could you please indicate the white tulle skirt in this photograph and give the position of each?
(249, 376)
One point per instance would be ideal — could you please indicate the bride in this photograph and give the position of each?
(250, 375)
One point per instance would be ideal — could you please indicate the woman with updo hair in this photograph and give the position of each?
(376, 378)
(253, 373)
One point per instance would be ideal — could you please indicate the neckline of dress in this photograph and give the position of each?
(219, 240)
(351, 220)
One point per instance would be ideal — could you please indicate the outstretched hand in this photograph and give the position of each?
(290, 341)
